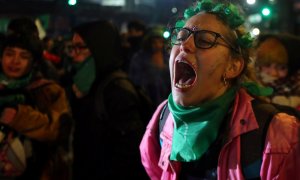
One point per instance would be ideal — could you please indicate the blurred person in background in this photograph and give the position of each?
(277, 63)
(149, 67)
(66, 67)
(35, 115)
(108, 121)
(22, 25)
(132, 40)
(26, 26)
(49, 54)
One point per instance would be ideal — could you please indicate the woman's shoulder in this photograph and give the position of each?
(46, 87)
(42, 83)
(283, 132)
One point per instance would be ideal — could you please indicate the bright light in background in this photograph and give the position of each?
(272, 1)
(251, 2)
(254, 18)
(174, 10)
(255, 32)
(113, 2)
(72, 2)
(266, 11)
(166, 34)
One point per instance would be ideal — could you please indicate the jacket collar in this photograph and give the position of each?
(243, 118)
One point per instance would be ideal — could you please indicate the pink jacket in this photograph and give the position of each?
(281, 159)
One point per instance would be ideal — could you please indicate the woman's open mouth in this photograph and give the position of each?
(185, 74)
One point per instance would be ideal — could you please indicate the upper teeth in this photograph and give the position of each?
(183, 61)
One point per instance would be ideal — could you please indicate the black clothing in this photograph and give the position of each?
(106, 147)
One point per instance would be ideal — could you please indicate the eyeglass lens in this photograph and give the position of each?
(77, 47)
(203, 39)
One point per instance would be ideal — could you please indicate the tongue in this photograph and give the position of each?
(186, 75)
(188, 81)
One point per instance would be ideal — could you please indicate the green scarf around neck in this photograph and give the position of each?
(15, 83)
(196, 128)
(85, 75)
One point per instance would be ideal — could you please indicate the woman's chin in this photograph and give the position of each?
(181, 100)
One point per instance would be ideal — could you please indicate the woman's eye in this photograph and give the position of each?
(204, 41)
(267, 65)
(283, 67)
(180, 39)
(25, 57)
(8, 53)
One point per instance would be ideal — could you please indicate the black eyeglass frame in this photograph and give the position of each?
(194, 32)
(77, 47)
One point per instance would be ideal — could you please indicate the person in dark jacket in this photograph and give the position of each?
(108, 123)
(34, 115)
(149, 67)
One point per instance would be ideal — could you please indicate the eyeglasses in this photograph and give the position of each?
(77, 47)
(204, 39)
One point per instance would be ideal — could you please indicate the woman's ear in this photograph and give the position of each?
(235, 67)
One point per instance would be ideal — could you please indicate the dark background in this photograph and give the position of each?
(57, 17)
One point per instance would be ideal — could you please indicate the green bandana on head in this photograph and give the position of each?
(228, 12)
(196, 128)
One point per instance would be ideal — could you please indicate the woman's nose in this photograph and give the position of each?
(73, 53)
(188, 45)
(273, 71)
(16, 59)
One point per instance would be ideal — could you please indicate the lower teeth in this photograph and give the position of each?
(182, 85)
